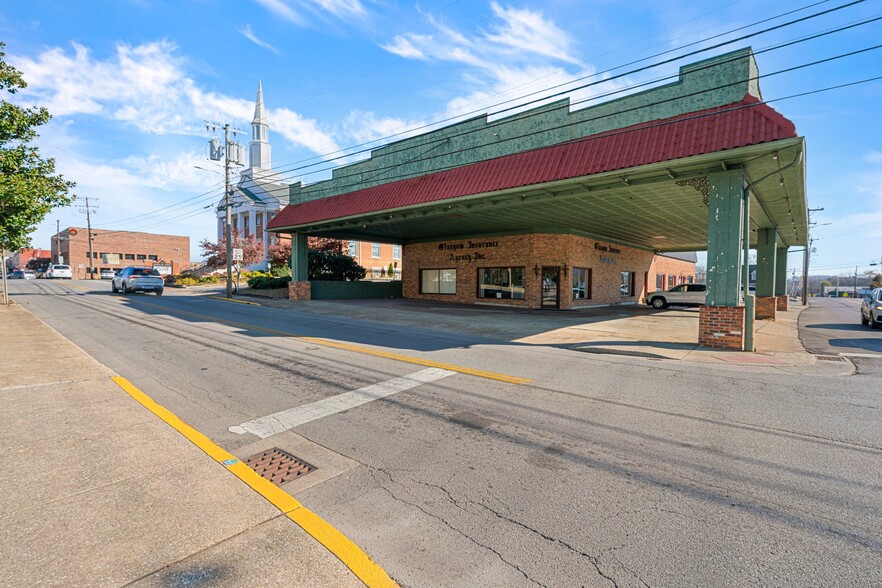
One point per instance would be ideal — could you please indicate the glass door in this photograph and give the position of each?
(550, 287)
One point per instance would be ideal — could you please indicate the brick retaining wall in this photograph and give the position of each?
(721, 327)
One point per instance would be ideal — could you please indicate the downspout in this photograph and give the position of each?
(749, 301)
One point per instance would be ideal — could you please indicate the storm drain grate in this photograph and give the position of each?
(830, 358)
(279, 466)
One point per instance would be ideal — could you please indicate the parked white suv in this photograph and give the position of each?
(682, 295)
(59, 271)
(871, 309)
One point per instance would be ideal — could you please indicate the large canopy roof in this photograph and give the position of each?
(643, 186)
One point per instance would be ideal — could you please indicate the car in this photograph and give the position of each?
(22, 275)
(59, 271)
(107, 274)
(137, 278)
(871, 308)
(682, 295)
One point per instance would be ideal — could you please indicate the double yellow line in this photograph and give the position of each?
(348, 552)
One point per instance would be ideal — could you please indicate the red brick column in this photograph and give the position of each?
(299, 291)
(783, 302)
(766, 307)
(721, 327)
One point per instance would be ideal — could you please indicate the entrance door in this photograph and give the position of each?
(550, 287)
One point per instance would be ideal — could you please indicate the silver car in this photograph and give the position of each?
(871, 309)
(682, 295)
(138, 279)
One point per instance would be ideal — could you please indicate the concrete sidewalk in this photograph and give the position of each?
(98, 491)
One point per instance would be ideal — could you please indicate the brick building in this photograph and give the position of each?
(20, 259)
(376, 258)
(118, 249)
(560, 207)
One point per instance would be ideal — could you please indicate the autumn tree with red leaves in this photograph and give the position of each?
(216, 253)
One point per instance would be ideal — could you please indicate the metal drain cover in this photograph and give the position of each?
(830, 358)
(278, 466)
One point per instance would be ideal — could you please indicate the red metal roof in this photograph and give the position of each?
(744, 123)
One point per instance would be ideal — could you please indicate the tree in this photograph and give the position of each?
(216, 253)
(877, 281)
(39, 264)
(29, 187)
(326, 260)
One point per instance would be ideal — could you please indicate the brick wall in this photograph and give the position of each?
(171, 249)
(533, 252)
(299, 291)
(721, 327)
(766, 307)
(783, 303)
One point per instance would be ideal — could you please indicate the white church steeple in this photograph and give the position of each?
(259, 154)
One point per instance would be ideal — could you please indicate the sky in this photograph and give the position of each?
(130, 84)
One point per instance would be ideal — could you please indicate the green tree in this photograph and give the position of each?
(328, 265)
(877, 281)
(29, 186)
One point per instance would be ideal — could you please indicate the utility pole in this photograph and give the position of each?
(57, 240)
(805, 258)
(88, 210)
(232, 154)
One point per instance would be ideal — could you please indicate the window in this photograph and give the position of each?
(130, 256)
(627, 287)
(141, 256)
(438, 281)
(696, 288)
(501, 282)
(659, 281)
(672, 281)
(153, 258)
(375, 250)
(396, 252)
(581, 283)
(690, 279)
(353, 249)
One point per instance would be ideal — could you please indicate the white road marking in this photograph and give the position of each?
(870, 355)
(288, 419)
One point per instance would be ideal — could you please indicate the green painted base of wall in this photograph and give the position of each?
(352, 290)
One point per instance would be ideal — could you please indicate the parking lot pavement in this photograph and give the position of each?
(98, 491)
(626, 330)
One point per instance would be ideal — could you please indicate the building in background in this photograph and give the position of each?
(170, 254)
(260, 192)
(20, 259)
(381, 260)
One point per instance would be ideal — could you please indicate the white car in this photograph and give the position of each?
(107, 274)
(682, 295)
(871, 309)
(58, 271)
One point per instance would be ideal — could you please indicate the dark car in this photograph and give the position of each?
(138, 279)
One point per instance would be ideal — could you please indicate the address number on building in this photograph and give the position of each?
(237, 255)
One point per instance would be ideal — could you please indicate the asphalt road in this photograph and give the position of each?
(832, 326)
(604, 471)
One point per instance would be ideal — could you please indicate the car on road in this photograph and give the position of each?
(137, 279)
(22, 275)
(107, 274)
(682, 295)
(871, 308)
(59, 271)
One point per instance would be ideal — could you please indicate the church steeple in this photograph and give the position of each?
(259, 155)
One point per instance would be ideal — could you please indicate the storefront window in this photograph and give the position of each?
(438, 281)
(581, 283)
(501, 282)
(627, 287)
(659, 281)
(672, 281)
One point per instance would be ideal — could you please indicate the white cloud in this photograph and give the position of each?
(249, 34)
(873, 157)
(525, 31)
(282, 9)
(302, 131)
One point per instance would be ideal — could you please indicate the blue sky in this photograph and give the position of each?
(130, 82)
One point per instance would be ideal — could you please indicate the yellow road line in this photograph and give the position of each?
(336, 542)
(354, 348)
(225, 299)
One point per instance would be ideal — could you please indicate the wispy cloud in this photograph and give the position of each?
(873, 157)
(282, 9)
(528, 31)
(249, 34)
(148, 87)
(293, 10)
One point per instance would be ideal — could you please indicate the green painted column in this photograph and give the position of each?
(781, 271)
(724, 226)
(766, 262)
(299, 258)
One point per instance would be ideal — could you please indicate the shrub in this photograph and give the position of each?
(268, 282)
